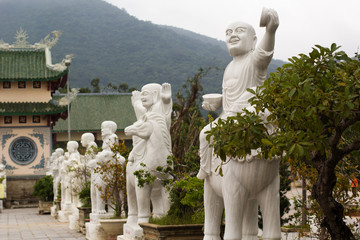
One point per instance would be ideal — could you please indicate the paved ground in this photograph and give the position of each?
(26, 223)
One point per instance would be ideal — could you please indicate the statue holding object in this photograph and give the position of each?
(245, 182)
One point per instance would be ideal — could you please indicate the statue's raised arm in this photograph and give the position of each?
(137, 105)
(166, 93)
(270, 20)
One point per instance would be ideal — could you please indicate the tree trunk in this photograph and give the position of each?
(332, 210)
(304, 202)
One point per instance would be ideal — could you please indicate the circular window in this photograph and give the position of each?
(23, 150)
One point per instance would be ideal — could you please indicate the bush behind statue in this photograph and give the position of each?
(43, 188)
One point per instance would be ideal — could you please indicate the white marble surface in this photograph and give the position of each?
(56, 170)
(94, 231)
(109, 137)
(151, 146)
(74, 222)
(250, 182)
(63, 215)
(88, 141)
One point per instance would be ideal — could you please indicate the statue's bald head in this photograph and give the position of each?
(240, 38)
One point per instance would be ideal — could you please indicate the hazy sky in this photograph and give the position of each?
(303, 23)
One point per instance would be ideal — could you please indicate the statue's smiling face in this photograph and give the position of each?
(147, 98)
(84, 141)
(240, 38)
(105, 131)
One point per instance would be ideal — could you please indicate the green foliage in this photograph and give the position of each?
(85, 195)
(187, 218)
(236, 136)
(187, 123)
(113, 173)
(144, 175)
(187, 197)
(2, 179)
(43, 188)
(285, 186)
(95, 85)
(58, 197)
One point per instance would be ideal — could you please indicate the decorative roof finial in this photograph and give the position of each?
(21, 39)
(51, 42)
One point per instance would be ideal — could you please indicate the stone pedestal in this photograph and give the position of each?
(45, 207)
(74, 222)
(131, 232)
(84, 216)
(94, 231)
(63, 215)
(54, 211)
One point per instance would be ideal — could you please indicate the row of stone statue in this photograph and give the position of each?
(70, 168)
(151, 147)
(246, 183)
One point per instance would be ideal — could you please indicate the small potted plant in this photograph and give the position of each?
(43, 189)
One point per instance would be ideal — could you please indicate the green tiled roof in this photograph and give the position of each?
(26, 65)
(88, 111)
(30, 108)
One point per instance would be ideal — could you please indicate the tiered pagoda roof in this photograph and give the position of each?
(27, 65)
(22, 61)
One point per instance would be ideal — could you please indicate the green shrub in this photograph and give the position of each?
(85, 195)
(43, 188)
(187, 200)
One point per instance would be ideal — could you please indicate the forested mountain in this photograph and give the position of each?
(113, 46)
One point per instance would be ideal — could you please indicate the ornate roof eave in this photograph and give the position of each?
(61, 77)
(31, 108)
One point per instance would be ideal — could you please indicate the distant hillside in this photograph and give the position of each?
(111, 45)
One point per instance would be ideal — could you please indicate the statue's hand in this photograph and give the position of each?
(208, 106)
(91, 164)
(135, 96)
(166, 91)
(273, 21)
(128, 131)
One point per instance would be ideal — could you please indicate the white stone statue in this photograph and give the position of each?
(152, 146)
(65, 180)
(75, 163)
(56, 166)
(245, 183)
(108, 129)
(72, 158)
(50, 164)
(88, 141)
(74, 180)
(56, 173)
